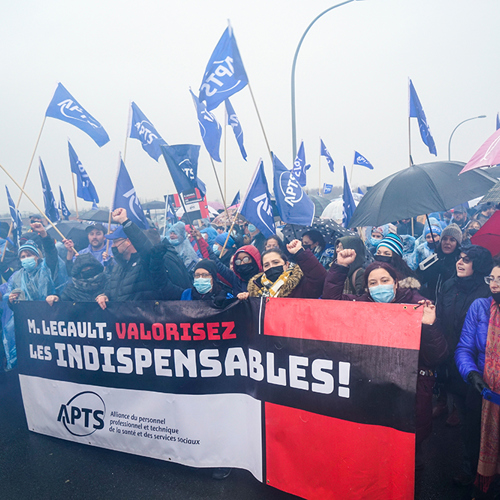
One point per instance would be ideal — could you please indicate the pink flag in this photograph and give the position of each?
(487, 155)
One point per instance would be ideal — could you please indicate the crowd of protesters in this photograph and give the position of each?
(431, 263)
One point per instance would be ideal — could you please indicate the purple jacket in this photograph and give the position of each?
(469, 355)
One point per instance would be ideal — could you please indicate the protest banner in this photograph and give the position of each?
(315, 398)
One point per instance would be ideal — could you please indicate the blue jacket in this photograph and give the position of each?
(469, 355)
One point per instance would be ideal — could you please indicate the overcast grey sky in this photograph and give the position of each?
(351, 87)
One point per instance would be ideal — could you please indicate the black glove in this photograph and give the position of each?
(477, 381)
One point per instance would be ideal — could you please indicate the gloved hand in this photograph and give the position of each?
(477, 381)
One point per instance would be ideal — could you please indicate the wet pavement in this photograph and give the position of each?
(33, 466)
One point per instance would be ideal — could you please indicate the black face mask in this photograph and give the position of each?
(274, 273)
(89, 273)
(383, 258)
(247, 271)
(496, 297)
(306, 247)
(473, 231)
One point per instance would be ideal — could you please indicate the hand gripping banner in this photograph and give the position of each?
(316, 398)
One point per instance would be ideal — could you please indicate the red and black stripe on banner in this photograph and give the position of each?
(362, 446)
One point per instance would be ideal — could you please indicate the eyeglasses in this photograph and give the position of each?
(244, 260)
(489, 279)
(204, 275)
(464, 258)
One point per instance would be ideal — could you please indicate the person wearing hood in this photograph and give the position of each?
(381, 285)
(229, 251)
(304, 280)
(477, 359)
(88, 281)
(432, 235)
(435, 270)
(354, 281)
(255, 237)
(177, 237)
(209, 233)
(390, 251)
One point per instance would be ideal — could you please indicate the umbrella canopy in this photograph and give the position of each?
(493, 195)
(72, 230)
(419, 189)
(489, 235)
(487, 155)
(335, 208)
(328, 228)
(216, 205)
(153, 205)
(222, 220)
(320, 202)
(96, 215)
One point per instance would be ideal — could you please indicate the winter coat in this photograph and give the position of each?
(433, 347)
(305, 282)
(354, 281)
(469, 354)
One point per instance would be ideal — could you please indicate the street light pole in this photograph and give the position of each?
(468, 120)
(294, 133)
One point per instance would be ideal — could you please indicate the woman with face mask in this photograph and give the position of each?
(305, 280)
(381, 285)
(225, 257)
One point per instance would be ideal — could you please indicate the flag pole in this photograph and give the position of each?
(113, 200)
(260, 121)
(34, 204)
(218, 184)
(319, 171)
(74, 193)
(225, 150)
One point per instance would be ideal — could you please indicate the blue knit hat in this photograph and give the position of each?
(392, 242)
(31, 246)
(221, 239)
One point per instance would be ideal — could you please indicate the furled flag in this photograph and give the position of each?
(141, 128)
(182, 162)
(232, 120)
(327, 188)
(257, 207)
(498, 121)
(294, 205)
(64, 107)
(361, 160)
(126, 197)
(62, 205)
(224, 74)
(48, 198)
(170, 208)
(348, 199)
(84, 187)
(324, 152)
(210, 129)
(17, 221)
(416, 111)
(299, 165)
(236, 200)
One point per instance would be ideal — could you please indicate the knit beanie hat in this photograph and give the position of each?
(392, 242)
(435, 230)
(453, 231)
(31, 246)
(209, 266)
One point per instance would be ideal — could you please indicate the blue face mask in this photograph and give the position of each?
(374, 241)
(203, 285)
(382, 293)
(29, 263)
(175, 242)
(251, 228)
(216, 249)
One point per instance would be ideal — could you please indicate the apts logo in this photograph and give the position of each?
(83, 414)
(290, 187)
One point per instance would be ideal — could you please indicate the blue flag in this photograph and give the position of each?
(294, 205)
(360, 192)
(141, 128)
(182, 162)
(498, 121)
(348, 199)
(416, 111)
(210, 129)
(361, 160)
(324, 152)
(257, 207)
(299, 165)
(327, 188)
(64, 107)
(84, 187)
(17, 221)
(62, 205)
(224, 74)
(236, 199)
(170, 208)
(126, 197)
(48, 197)
(232, 120)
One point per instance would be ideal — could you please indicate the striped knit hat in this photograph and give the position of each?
(392, 242)
(31, 246)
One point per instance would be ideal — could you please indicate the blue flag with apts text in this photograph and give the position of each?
(65, 107)
(257, 207)
(232, 120)
(84, 187)
(299, 165)
(348, 202)
(141, 128)
(324, 152)
(359, 159)
(210, 129)
(126, 197)
(62, 205)
(417, 111)
(294, 205)
(48, 197)
(224, 74)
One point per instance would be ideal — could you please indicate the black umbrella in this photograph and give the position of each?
(330, 230)
(72, 230)
(96, 215)
(418, 190)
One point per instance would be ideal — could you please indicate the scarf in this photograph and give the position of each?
(282, 287)
(489, 459)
